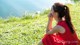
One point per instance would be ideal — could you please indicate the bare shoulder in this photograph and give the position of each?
(57, 29)
(60, 28)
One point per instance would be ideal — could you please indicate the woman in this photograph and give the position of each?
(63, 33)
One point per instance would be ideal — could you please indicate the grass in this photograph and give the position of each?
(29, 30)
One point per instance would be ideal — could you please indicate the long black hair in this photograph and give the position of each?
(63, 11)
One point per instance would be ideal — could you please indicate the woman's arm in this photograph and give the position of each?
(56, 29)
(49, 25)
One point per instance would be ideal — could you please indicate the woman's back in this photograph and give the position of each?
(66, 38)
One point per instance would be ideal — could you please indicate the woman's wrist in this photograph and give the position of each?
(49, 24)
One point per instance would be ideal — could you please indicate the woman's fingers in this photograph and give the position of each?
(50, 15)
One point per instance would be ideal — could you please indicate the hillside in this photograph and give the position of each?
(28, 30)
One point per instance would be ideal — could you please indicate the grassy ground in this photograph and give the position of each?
(29, 30)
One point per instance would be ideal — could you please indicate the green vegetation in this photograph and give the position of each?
(75, 0)
(28, 30)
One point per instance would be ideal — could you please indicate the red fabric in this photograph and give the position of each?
(61, 39)
(79, 42)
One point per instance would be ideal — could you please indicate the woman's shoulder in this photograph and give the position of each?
(60, 28)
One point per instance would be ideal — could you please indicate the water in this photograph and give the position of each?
(19, 7)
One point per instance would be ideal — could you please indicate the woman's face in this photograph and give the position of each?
(55, 14)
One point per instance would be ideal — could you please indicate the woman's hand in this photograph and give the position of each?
(49, 25)
(50, 17)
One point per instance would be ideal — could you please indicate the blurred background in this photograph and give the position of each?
(20, 7)
(24, 22)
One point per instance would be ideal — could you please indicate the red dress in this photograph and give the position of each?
(66, 38)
